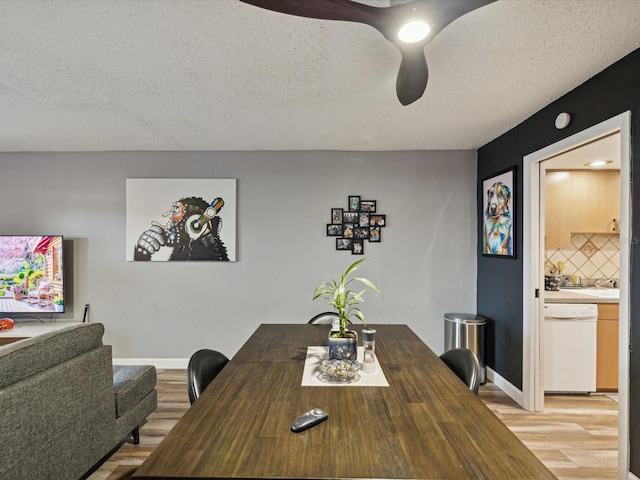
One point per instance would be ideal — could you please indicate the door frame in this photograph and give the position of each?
(533, 271)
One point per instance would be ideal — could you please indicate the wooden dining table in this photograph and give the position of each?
(426, 424)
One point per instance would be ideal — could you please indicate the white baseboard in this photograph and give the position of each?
(505, 386)
(164, 363)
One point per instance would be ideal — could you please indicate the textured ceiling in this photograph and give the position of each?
(100, 75)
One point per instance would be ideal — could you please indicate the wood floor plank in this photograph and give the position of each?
(575, 437)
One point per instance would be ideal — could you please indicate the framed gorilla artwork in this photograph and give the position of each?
(498, 215)
(181, 219)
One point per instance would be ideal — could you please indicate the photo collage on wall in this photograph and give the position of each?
(359, 222)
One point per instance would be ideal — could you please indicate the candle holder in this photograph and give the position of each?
(369, 347)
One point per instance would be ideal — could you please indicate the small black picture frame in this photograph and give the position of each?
(351, 217)
(375, 234)
(377, 220)
(357, 247)
(334, 230)
(347, 230)
(364, 220)
(368, 206)
(336, 215)
(361, 233)
(344, 244)
(354, 203)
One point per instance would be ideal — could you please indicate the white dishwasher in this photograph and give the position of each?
(570, 347)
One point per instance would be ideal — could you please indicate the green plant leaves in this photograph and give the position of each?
(344, 300)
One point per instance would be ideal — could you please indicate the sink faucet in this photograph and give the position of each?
(602, 281)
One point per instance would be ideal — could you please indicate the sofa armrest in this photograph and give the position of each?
(59, 422)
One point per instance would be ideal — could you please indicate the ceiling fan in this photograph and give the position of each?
(409, 27)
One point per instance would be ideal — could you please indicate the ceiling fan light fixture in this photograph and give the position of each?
(408, 24)
(413, 32)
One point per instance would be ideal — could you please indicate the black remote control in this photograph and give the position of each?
(309, 419)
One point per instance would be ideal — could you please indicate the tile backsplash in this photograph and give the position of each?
(591, 256)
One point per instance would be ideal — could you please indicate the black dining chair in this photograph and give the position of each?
(204, 366)
(465, 365)
(324, 318)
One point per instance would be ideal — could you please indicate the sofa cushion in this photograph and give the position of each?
(130, 384)
(134, 417)
(27, 357)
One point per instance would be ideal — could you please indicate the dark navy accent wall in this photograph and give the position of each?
(611, 92)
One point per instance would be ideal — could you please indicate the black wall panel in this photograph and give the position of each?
(611, 92)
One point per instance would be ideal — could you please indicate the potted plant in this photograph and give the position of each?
(343, 343)
(18, 292)
(58, 303)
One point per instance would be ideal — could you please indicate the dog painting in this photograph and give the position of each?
(498, 220)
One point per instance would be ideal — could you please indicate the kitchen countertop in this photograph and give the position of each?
(577, 295)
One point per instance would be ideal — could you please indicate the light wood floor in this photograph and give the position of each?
(576, 436)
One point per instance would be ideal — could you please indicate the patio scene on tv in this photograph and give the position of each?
(31, 276)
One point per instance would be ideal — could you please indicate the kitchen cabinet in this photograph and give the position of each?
(557, 209)
(595, 200)
(580, 201)
(607, 347)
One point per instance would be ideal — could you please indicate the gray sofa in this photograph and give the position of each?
(64, 406)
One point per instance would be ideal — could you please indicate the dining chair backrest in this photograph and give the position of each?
(204, 366)
(324, 318)
(465, 365)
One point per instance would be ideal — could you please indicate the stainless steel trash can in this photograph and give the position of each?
(465, 330)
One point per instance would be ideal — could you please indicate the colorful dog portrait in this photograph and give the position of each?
(498, 217)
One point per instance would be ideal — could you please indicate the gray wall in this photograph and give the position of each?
(425, 264)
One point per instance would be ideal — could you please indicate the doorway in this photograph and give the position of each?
(533, 270)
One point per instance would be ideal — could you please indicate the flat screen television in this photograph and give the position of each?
(31, 274)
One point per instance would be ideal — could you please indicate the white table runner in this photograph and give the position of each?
(315, 355)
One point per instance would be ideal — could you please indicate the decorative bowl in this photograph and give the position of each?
(6, 324)
(340, 369)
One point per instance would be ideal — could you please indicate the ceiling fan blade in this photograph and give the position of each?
(387, 20)
(344, 10)
(437, 13)
(442, 12)
(412, 76)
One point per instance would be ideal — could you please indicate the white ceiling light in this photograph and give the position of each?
(563, 120)
(413, 32)
(598, 163)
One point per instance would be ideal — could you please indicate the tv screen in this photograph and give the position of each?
(31, 274)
